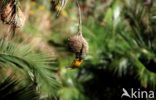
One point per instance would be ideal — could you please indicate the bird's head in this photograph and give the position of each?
(76, 63)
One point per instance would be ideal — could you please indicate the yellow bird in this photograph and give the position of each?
(76, 63)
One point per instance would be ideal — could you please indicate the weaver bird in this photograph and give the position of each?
(76, 63)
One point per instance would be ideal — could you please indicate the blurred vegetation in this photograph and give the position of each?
(122, 50)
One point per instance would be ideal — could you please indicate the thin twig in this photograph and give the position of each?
(80, 22)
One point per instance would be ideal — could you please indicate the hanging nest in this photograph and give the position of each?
(7, 14)
(19, 19)
(11, 14)
(78, 45)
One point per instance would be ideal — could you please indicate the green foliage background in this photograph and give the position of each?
(122, 50)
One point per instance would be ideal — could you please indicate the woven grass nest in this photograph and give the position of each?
(12, 14)
(78, 45)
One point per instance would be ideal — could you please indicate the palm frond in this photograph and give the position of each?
(11, 88)
(36, 65)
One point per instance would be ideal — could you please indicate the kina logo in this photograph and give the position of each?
(137, 93)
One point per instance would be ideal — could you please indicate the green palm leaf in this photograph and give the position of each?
(36, 65)
(11, 89)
